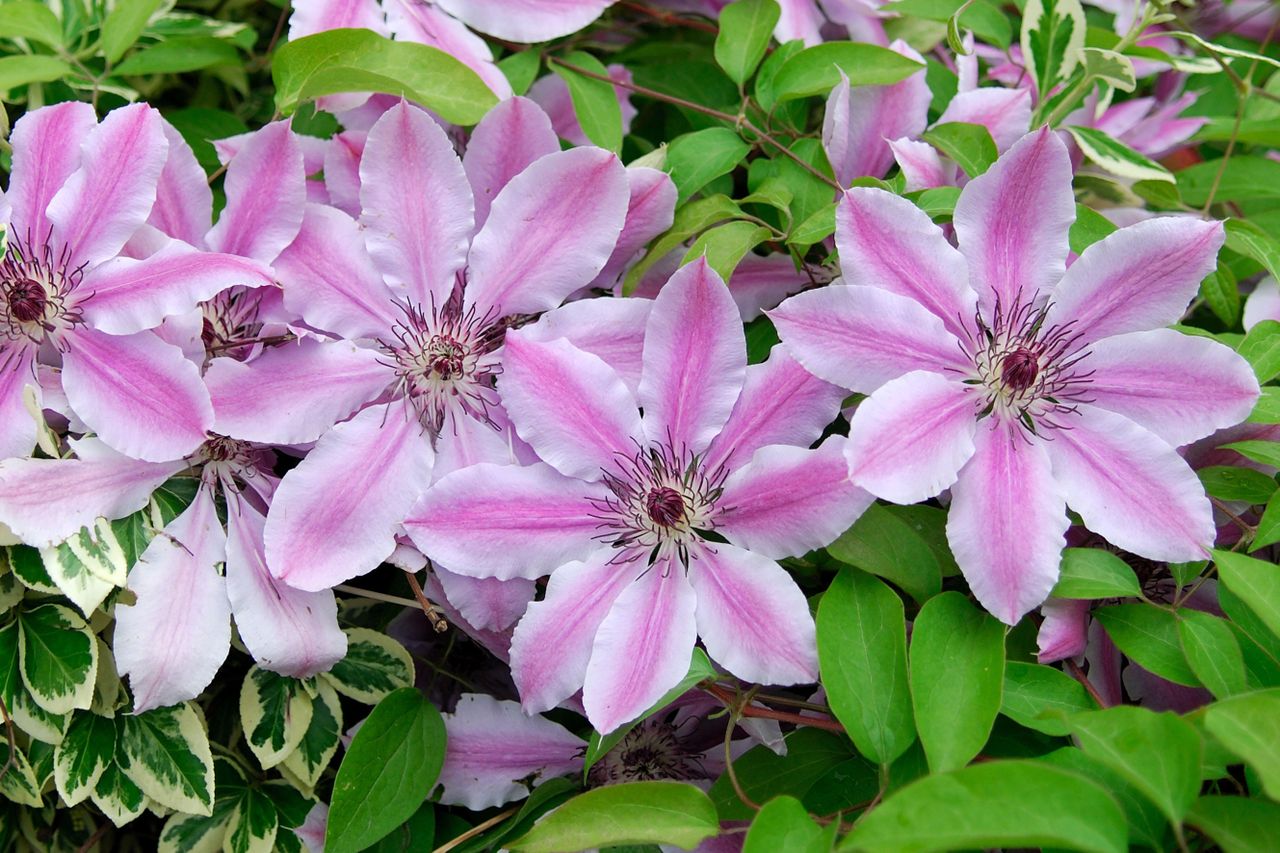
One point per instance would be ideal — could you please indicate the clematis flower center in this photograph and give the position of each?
(34, 285)
(225, 458)
(1019, 369)
(661, 502)
(652, 751)
(27, 301)
(230, 323)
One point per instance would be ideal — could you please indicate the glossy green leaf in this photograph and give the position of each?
(32, 20)
(1093, 573)
(1213, 652)
(594, 101)
(1042, 697)
(1237, 824)
(885, 544)
(745, 29)
(178, 55)
(1249, 726)
(1255, 582)
(815, 763)
(521, 69)
(1229, 483)
(957, 676)
(20, 70)
(124, 24)
(387, 772)
(816, 70)
(784, 824)
(1149, 635)
(983, 17)
(726, 245)
(970, 145)
(1090, 227)
(1244, 178)
(1248, 239)
(695, 159)
(862, 653)
(1261, 348)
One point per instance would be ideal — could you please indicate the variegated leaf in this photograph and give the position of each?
(84, 753)
(19, 784)
(320, 742)
(166, 753)
(274, 712)
(1052, 37)
(374, 666)
(58, 656)
(1116, 157)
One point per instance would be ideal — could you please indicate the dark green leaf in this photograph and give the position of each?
(1255, 582)
(1249, 726)
(1237, 824)
(180, 54)
(1093, 573)
(784, 824)
(1149, 635)
(970, 145)
(1212, 651)
(1229, 483)
(694, 159)
(816, 70)
(631, 813)
(882, 543)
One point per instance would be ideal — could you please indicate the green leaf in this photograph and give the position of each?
(784, 824)
(594, 101)
(1147, 825)
(984, 18)
(957, 675)
(1261, 348)
(1267, 409)
(1116, 157)
(349, 60)
(1229, 483)
(58, 656)
(1249, 726)
(253, 824)
(85, 589)
(1092, 573)
(374, 666)
(1042, 697)
(320, 741)
(690, 219)
(996, 804)
(816, 70)
(20, 70)
(1212, 651)
(27, 19)
(115, 794)
(1114, 69)
(19, 783)
(745, 29)
(166, 754)
(1051, 39)
(862, 653)
(85, 751)
(726, 245)
(818, 765)
(632, 813)
(521, 69)
(1269, 524)
(764, 87)
(1246, 238)
(1239, 825)
(275, 713)
(697, 158)
(1221, 292)
(1243, 179)
(1149, 635)
(1266, 452)
(1089, 227)
(1255, 582)
(391, 766)
(882, 543)
(123, 26)
(29, 569)
(1159, 754)
(970, 145)
(178, 55)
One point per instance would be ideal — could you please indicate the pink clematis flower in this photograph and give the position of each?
(421, 300)
(1021, 385)
(655, 529)
(79, 191)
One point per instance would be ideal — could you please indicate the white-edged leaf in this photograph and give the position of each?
(1052, 38)
(274, 713)
(58, 657)
(84, 753)
(166, 753)
(1114, 69)
(1116, 157)
(319, 742)
(374, 666)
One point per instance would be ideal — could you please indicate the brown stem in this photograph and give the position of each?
(1078, 674)
(732, 772)
(669, 19)
(438, 622)
(730, 701)
(477, 829)
(95, 838)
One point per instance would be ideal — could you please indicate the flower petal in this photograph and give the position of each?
(1263, 303)
(330, 281)
(642, 647)
(1064, 633)
(493, 751)
(505, 521)
(549, 232)
(184, 202)
(612, 329)
(138, 393)
(571, 407)
(486, 603)
(753, 618)
(761, 282)
(552, 645)
(1012, 221)
(316, 16)
(921, 165)
(17, 424)
(1181, 387)
(411, 20)
(887, 242)
(1131, 487)
(788, 501)
(1008, 521)
(172, 641)
(288, 631)
(46, 152)
(650, 212)
(695, 359)
(418, 213)
(45, 501)
(342, 170)
(464, 441)
(510, 138)
(128, 295)
(335, 516)
(110, 195)
(1005, 113)
(266, 187)
(862, 337)
(525, 21)
(909, 440)
(1138, 278)
(860, 121)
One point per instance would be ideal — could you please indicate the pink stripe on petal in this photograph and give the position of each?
(612, 329)
(172, 641)
(862, 337)
(342, 170)
(412, 20)
(123, 295)
(316, 16)
(781, 403)
(466, 441)
(418, 213)
(17, 425)
(293, 393)
(288, 631)
(1138, 278)
(788, 501)
(111, 194)
(887, 242)
(266, 187)
(486, 603)
(335, 516)
(1007, 521)
(139, 394)
(552, 645)
(1131, 487)
(909, 440)
(650, 212)
(642, 647)
(510, 137)
(695, 359)
(571, 407)
(753, 618)
(505, 521)
(494, 750)
(1005, 113)
(549, 232)
(184, 202)
(1012, 221)
(921, 165)
(44, 501)
(526, 21)
(1064, 633)
(46, 151)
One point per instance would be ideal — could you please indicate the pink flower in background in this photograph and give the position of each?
(1019, 384)
(655, 529)
(80, 190)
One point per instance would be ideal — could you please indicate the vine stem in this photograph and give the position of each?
(476, 830)
(438, 623)
(744, 710)
(1078, 674)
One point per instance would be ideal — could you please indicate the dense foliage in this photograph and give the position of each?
(563, 424)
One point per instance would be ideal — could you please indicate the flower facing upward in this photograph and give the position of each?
(1020, 384)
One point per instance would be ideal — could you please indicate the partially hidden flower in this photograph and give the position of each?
(1021, 385)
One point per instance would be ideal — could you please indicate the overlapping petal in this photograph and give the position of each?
(266, 187)
(509, 139)
(46, 152)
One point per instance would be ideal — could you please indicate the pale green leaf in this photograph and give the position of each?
(745, 29)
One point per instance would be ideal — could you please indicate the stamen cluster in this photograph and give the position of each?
(35, 283)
